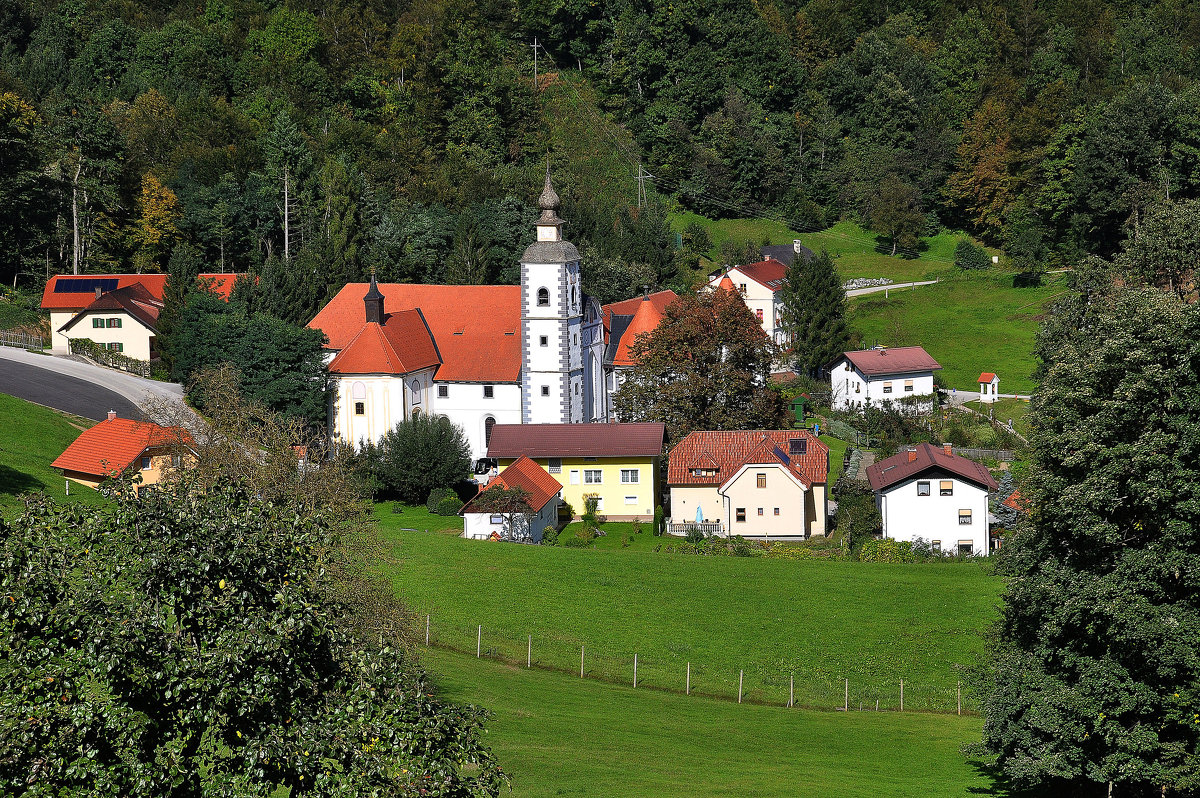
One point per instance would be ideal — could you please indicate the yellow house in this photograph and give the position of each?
(619, 464)
(118, 446)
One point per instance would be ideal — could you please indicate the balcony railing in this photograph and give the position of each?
(707, 528)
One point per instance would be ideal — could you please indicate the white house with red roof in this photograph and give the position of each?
(928, 492)
(480, 355)
(881, 376)
(482, 523)
(770, 484)
(759, 285)
(118, 311)
(989, 387)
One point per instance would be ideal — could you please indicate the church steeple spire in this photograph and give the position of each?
(374, 301)
(549, 226)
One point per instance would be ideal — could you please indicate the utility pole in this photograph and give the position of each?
(641, 179)
(535, 49)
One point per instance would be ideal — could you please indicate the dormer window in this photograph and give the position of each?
(543, 298)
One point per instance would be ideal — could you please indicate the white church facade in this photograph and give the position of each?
(537, 353)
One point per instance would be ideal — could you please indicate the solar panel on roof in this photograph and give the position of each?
(84, 285)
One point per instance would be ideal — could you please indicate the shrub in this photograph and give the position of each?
(886, 550)
(660, 521)
(435, 498)
(449, 505)
(969, 256)
(636, 528)
(694, 536)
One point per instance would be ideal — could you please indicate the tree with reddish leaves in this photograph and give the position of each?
(705, 366)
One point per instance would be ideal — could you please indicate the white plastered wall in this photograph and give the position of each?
(908, 516)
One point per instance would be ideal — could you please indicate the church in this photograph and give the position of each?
(540, 352)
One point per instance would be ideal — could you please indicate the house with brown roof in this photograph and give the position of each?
(619, 464)
(119, 446)
(930, 493)
(117, 311)
(759, 285)
(770, 484)
(481, 522)
(883, 376)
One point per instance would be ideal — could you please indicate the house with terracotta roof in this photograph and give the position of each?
(117, 311)
(989, 387)
(759, 285)
(481, 522)
(769, 484)
(118, 446)
(881, 376)
(928, 492)
(619, 464)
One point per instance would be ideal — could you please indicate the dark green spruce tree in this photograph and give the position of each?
(814, 313)
(1094, 686)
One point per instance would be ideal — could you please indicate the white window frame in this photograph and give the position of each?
(631, 476)
(593, 476)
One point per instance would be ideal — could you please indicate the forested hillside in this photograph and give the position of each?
(314, 141)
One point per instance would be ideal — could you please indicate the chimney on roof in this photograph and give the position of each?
(98, 292)
(796, 246)
(645, 292)
(912, 455)
(948, 448)
(112, 414)
(374, 302)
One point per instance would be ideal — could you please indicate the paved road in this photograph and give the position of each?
(78, 387)
(879, 289)
(69, 394)
(962, 397)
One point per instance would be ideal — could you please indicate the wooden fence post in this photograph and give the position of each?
(581, 662)
(740, 675)
(846, 699)
(687, 690)
(635, 671)
(792, 691)
(901, 695)
(960, 698)
(478, 641)
(529, 653)
(426, 631)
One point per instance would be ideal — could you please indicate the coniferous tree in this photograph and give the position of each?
(1095, 677)
(814, 313)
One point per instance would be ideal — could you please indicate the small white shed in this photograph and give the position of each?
(989, 387)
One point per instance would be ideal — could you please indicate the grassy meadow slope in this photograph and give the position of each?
(33, 436)
(819, 621)
(969, 322)
(555, 734)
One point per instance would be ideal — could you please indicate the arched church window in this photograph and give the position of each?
(543, 298)
(488, 423)
(359, 390)
(416, 413)
(573, 302)
(415, 387)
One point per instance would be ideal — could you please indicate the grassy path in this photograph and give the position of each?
(558, 735)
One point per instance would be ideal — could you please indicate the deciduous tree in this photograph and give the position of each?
(705, 366)
(418, 455)
(1095, 677)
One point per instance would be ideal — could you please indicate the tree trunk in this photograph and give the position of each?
(75, 215)
(287, 212)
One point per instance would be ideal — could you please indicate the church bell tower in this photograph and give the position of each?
(551, 317)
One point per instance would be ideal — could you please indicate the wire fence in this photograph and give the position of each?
(22, 340)
(750, 683)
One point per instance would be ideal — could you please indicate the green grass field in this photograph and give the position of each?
(818, 621)
(852, 247)
(969, 322)
(558, 735)
(33, 437)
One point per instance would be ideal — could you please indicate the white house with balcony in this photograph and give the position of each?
(882, 375)
(930, 493)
